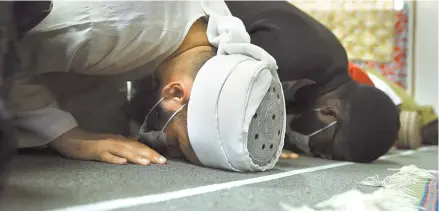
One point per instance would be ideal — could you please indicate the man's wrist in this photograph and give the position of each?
(70, 144)
(74, 134)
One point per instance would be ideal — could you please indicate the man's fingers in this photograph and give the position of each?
(283, 155)
(149, 153)
(293, 155)
(133, 151)
(109, 158)
(131, 156)
(288, 155)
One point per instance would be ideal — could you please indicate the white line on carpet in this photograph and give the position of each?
(155, 198)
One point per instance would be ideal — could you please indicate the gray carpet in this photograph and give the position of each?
(43, 181)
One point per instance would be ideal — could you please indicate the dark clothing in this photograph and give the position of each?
(16, 18)
(302, 47)
(6, 39)
(29, 14)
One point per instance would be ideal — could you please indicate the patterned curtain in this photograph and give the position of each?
(373, 32)
(395, 70)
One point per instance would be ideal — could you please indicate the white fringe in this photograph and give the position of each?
(393, 195)
(407, 176)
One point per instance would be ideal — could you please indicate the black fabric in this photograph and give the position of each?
(7, 32)
(302, 47)
(430, 133)
(29, 14)
(371, 128)
(7, 145)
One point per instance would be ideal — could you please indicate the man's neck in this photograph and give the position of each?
(181, 61)
(196, 37)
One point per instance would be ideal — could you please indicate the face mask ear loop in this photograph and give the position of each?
(146, 117)
(173, 115)
(324, 128)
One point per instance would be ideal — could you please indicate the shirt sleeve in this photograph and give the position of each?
(34, 112)
(383, 86)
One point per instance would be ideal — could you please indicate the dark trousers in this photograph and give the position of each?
(7, 28)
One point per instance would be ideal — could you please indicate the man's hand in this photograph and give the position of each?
(288, 155)
(116, 149)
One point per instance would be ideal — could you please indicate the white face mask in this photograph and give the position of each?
(301, 140)
(152, 132)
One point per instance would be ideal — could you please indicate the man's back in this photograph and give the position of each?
(105, 38)
(303, 47)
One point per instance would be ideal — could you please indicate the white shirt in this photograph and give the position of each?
(127, 38)
(384, 87)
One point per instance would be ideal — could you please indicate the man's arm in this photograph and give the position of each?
(34, 111)
(39, 122)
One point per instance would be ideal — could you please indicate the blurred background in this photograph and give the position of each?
(399, 38)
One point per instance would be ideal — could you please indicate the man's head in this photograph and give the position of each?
(223, 111)
(366, 123)
(177, 78)
(172, 84)
(174, 81)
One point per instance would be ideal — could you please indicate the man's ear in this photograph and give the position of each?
(329, 113)
(174, 94)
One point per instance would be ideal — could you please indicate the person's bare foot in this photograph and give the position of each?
(286, 154)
